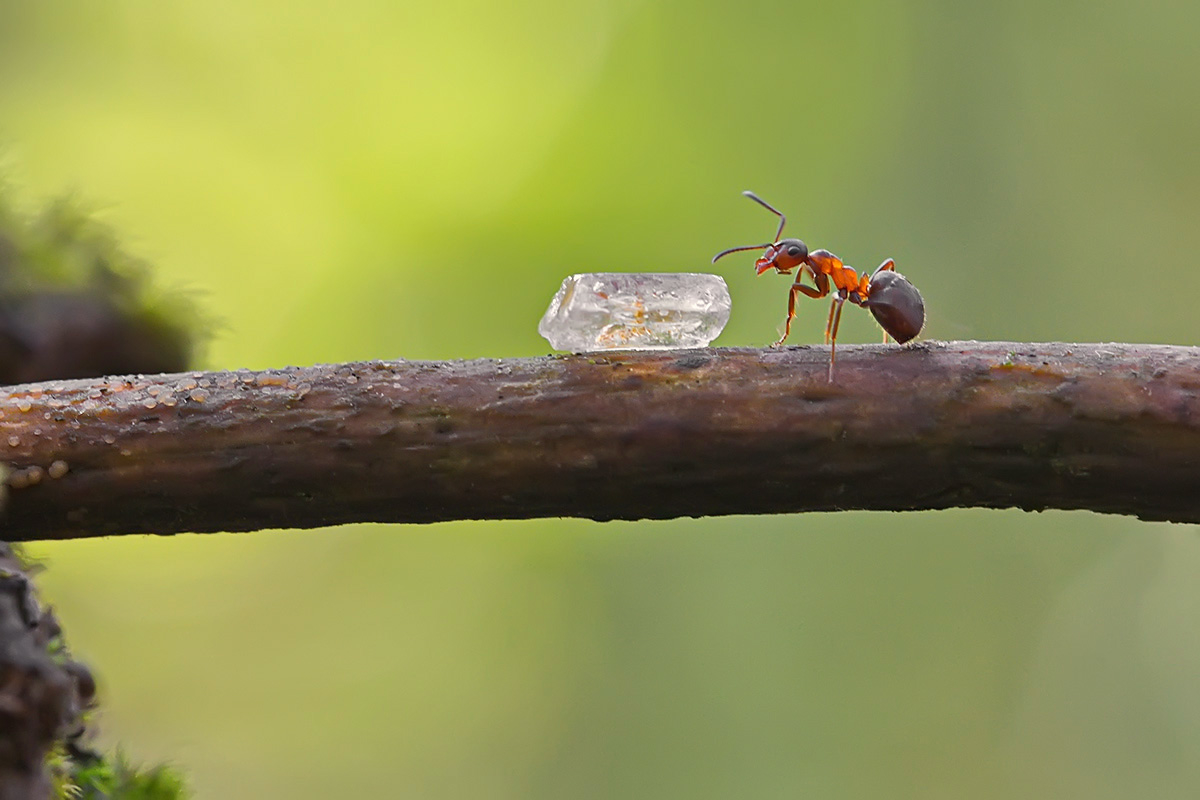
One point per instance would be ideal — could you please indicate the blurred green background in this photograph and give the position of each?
(362, 180)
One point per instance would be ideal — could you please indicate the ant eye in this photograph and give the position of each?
(793, 251)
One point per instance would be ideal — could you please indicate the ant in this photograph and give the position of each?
(893, 301)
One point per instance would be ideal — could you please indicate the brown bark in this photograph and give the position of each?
(1112, 428)
(42, 692)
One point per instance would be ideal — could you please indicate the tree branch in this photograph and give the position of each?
(1111, 428)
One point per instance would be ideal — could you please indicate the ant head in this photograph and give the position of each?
(784, 256)
(896, 305)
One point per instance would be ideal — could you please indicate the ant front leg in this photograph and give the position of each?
(821, 290)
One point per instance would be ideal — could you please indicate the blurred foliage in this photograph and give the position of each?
(49, 701)
(74, 304)
(114, 778)
(378, 180)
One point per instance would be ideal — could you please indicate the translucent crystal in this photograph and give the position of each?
(636, 311)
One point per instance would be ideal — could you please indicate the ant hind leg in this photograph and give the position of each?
(887, 265)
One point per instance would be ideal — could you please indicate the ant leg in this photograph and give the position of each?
(796, 287)
(846, 277)
(837, 319)
(787, 325)
(822, 281)
(888, 264)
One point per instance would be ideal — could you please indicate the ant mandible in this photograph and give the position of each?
(893, 301)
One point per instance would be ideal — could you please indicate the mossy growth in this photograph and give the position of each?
(74, 303)
(56, 697)
(113, 778)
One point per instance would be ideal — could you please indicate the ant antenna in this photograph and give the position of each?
(778, 233)
(772, 209)
(740, 249)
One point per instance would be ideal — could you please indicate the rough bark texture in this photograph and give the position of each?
(1112, 428)
(42, 692)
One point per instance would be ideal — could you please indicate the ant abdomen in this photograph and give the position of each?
(896, 305)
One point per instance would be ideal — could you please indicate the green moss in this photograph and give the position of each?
(75, 772)
(113, 778)
(63, 248)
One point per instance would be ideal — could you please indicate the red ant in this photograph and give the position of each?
(893, 301)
